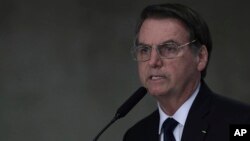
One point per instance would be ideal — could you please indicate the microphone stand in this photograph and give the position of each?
(125, 108)
(106, 127)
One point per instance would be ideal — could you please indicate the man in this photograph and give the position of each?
(173, 47)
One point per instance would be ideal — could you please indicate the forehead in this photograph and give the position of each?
(155, 31)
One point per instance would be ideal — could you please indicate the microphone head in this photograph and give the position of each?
(130, 102)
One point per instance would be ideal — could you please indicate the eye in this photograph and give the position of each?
(169, 48)
(143, 50)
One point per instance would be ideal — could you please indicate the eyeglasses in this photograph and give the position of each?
(168, 50)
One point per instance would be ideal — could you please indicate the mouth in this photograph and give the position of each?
(156, 77)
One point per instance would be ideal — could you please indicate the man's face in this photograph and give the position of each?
(167, 76)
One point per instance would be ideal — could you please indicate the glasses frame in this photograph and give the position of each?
(157, 50)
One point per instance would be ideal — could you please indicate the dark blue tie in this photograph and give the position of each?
(167, 128)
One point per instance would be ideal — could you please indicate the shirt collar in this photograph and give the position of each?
(181, 114)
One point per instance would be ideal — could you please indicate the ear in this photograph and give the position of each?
(202, 57)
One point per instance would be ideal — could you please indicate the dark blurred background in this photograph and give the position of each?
(65, 65)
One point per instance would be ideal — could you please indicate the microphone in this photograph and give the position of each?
(125, 108)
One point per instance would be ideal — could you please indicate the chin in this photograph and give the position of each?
(157, 92)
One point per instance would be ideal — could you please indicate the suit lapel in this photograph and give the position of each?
(149, 130)
(196, 126)
(152, 135)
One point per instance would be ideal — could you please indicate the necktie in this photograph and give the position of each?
(168, 128)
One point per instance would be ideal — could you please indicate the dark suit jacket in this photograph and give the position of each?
(210, 112)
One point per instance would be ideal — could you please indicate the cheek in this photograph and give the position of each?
(190, 69)
(181, 69)
(142, 72)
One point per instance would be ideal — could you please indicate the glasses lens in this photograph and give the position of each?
(142, 53)
(168, 50)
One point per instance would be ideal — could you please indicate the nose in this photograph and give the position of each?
(155, 60)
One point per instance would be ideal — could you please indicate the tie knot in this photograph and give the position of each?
(169, 125)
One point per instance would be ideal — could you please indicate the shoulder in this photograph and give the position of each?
(230, 107)
(219, 103)
(148, 126)
(149, 120)
(217, 107)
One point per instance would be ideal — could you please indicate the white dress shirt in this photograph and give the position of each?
(180, 116)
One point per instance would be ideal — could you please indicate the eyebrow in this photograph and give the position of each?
(169, 41)
(165, 42)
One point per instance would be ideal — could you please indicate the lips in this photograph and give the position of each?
(156, 77)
